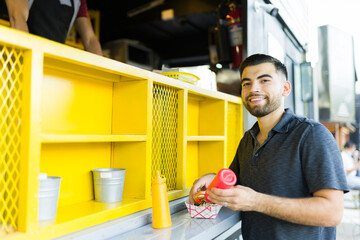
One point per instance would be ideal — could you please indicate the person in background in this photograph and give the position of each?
(53, 19)
(351, 164)
(290, 177)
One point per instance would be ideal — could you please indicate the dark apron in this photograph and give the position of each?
(51, 19)
(3, 10)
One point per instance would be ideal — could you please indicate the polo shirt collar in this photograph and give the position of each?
(282, 126)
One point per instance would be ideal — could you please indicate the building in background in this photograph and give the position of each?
(336, 82)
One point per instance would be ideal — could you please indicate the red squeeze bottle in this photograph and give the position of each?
(224, 179)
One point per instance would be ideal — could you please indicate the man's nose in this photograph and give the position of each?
(255, 87)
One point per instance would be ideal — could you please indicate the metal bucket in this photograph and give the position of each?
(49, 188)
(108, 184)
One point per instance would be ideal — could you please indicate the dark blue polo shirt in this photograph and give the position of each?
(299, 157)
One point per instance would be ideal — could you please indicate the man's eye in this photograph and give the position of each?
(245, 84)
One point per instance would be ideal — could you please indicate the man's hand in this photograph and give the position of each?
(200, 185)
(238, 198)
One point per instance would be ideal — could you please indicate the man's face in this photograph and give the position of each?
(263, 89)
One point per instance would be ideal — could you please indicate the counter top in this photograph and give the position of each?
(138, 226)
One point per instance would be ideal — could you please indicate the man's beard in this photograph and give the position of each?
(263, 110)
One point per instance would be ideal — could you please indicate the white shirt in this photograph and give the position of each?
(348, 162)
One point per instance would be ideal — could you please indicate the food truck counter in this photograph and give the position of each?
(138, 226)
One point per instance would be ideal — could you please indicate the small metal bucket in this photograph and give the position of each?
(49, 188)
(108, 184)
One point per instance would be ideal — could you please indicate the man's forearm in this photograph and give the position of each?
(18, 24)
(93, 46)
(18, 14)
(314, 211)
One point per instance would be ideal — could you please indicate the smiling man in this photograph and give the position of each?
(290, 175)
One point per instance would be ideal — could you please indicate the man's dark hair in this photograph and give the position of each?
(349, 144)
(257, 59)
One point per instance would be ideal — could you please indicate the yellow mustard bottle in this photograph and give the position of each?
(160, 204)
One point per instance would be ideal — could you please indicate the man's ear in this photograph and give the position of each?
(287, 89)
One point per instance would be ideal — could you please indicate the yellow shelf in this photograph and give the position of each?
(206, 138)
(56, 138)
(4, 23)
(74, 44)
(85, 214)
(85, 209)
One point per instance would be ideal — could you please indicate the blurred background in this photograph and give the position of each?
(318, 41)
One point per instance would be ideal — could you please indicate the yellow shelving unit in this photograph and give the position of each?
(65, 112)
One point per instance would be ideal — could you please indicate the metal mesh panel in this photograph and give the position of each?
(11, 70)
(165, 128)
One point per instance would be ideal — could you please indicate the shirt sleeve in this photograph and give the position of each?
(321, 160)
(83, 11)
